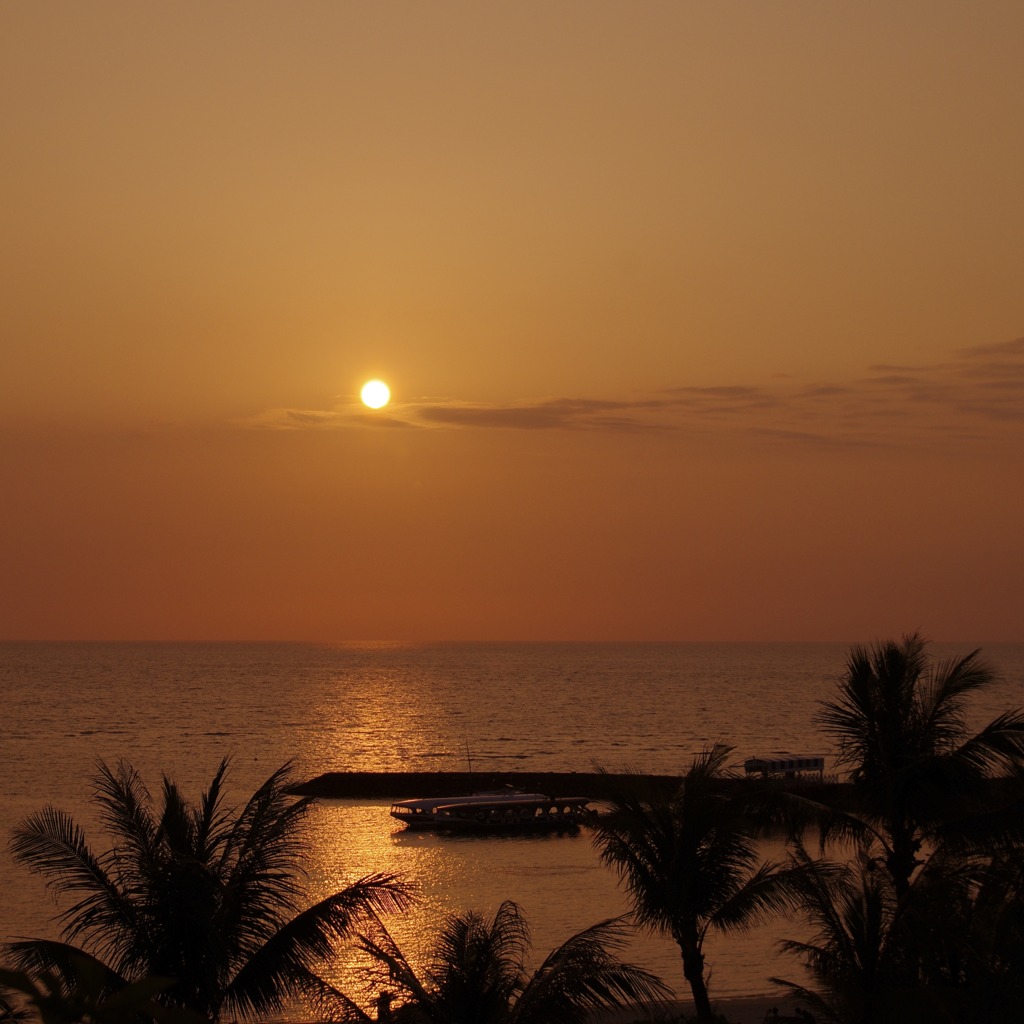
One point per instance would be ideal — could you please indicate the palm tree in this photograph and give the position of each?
(201, 894)
(476, 974)
(929, 908)
(854, 954)
(994, 973)
(690, 862)
(88, 999)
(919, 774)
(951, 948)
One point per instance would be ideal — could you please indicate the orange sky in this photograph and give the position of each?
(702, 320)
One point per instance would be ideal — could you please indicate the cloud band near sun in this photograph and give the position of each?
(976, 396)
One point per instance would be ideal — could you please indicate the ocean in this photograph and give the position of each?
(178, 709)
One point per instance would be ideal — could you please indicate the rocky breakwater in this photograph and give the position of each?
(408, 785)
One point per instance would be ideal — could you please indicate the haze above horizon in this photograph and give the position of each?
(699, 321)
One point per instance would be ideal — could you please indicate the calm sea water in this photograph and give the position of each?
(179, 708)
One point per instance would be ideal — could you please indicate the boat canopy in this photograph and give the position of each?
(527, 801)
(430, 804)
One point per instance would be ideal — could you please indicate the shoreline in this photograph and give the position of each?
(735, 1009)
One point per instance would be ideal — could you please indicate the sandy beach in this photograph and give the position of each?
(737, 1010)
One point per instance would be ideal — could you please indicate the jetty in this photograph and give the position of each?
(404, 785)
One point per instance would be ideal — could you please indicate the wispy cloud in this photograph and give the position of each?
(1011, 349)
(974, 396)
(323, 419)
(551, 414)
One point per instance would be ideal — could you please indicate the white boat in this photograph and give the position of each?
(497, 811)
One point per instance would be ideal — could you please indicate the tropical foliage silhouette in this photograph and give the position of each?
(476, 974)
(926, 919)
(200, 894)
(852, 910)
(920, 775)
(88, 998)
(690, 862)
(199, 909)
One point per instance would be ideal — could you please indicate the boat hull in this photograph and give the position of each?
(482, 814)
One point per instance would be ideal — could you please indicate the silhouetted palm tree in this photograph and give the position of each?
(197, 893)
(966, 930)
(950, 948)
(476, 974)
(919, 774)
(690, 862)
(853, 954)
(998, 938)
(88, 999)
(926, 920)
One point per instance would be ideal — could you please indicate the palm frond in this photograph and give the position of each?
(388, 965)
(476, 973)
(331, 1005)
(11, 1012)
(62, 962)
(212, 824)
(689, 862)
(584, 975)
(477, 966)
(126, 811)
(770, 891)
(258, 859)
(821, 1008)
(285, 964)
(51, 844)
(996, 749)
(264, 846)
(500, 945)
(855, 955)
(203, 895)
(176, 828)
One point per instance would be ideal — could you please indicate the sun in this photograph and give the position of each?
(376, 394)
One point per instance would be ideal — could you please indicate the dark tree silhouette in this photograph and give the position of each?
(925, 921)
(476, 974)
(920, 775)
(690, 862)
(198, 893)
(853, 955)
(88, 999)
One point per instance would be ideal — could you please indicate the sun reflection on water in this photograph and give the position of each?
(558, 880)
(558, 875)
(385, 720)
(179, 709)
(389, 719)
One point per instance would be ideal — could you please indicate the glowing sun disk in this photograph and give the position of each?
(376, 394)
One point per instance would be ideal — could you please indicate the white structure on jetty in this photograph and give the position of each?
(781, 764)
